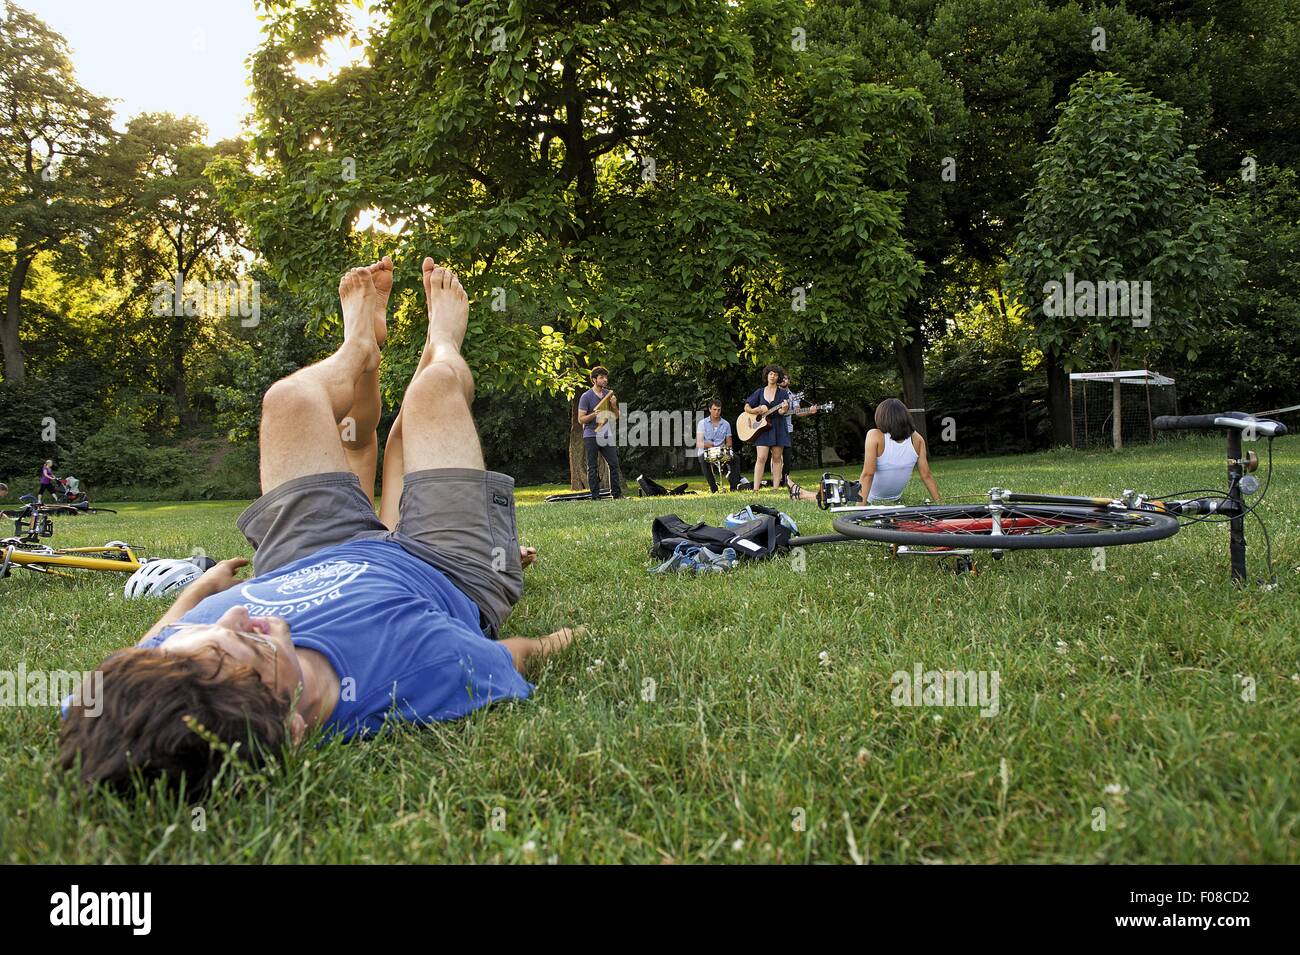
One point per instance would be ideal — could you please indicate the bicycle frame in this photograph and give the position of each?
(49, 560)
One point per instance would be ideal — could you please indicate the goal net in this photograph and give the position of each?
(1144, 396)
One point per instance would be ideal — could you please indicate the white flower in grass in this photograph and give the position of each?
(529, 847)
(1115, 789)
(1062, 647)
(824, 659)
(595, 665)
(937, 718)
(738, 845)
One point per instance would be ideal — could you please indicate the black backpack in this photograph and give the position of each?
(649, 487)
(758, 539)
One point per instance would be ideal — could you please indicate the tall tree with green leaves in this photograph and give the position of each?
(674, 183)
(1121, 238)
(52, 179)
(174, 233)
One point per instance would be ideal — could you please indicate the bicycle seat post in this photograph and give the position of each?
(1237, 522)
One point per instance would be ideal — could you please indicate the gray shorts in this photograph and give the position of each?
(459, 520)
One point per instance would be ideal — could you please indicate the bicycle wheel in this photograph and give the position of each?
(1008, 527)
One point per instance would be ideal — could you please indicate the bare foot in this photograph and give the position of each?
(357, 296)
(528, 652)
(448, 304)
(382, 275)
(527, 556)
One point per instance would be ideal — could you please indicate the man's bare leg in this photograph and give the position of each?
(301, 413)
(394, 459)
(394, 449)
(358, 429)
(448, 311)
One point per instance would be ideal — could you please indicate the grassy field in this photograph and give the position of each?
(748, 717)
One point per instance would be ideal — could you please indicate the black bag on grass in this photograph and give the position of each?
(758, 539)
(649, 487)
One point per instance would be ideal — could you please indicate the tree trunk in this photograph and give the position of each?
(1058, 399)
(911, 365)
(178, 392)
(15, 365)
(175, 383)
(1116, 402)
(577, 450)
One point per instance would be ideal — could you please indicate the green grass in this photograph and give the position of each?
(772, 701)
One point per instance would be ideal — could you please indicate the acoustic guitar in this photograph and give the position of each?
(605, 411)
(748, 425)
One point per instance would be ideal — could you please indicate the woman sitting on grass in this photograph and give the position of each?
(893, 448)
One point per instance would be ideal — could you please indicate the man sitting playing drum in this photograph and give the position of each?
(713, 446)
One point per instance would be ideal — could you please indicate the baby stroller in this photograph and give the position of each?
(69, 491)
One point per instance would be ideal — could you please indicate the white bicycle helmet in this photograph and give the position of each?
(158, 577)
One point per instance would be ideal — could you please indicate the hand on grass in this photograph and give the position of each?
(221, 576)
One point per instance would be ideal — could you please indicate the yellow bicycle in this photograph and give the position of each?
(115, 556)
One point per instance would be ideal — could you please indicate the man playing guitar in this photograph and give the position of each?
(796, 411)
(598, 431)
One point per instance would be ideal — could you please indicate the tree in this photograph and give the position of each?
(175, 233)
(52, 135)
(1121, 239)
(608, 196)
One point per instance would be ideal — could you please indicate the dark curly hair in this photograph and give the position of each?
(143, 727)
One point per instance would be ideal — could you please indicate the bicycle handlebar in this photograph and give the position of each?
(1226, 419)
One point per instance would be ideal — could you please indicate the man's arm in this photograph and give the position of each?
(214, 580)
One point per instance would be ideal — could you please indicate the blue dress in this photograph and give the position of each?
(777, 433)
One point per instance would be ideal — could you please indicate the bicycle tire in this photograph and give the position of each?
(1033, 527)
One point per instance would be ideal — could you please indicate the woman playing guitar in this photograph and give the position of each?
(775, 437)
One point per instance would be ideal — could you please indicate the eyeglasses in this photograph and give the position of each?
(246, 634)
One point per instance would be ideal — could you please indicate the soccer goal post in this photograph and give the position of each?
(1144, 396)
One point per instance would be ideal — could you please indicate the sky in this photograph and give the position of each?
(175, 56)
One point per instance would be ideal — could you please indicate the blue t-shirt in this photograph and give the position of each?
(401, 637)
(587, 404)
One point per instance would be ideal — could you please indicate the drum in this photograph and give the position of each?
(717, 456)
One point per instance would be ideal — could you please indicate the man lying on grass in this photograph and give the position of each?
(351, 617)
